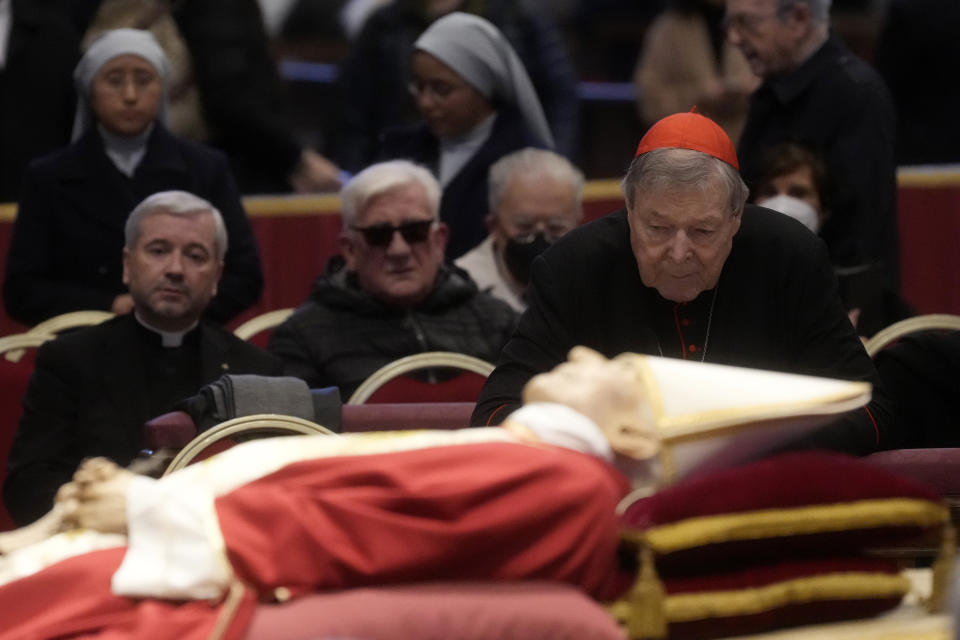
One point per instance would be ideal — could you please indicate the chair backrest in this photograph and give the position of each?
(255, 329)
(916, 324)
(17, 353)
(226, 434)
(70, 320)
(391, 383)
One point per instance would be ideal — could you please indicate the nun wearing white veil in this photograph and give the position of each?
(477, 105)
(66, 247)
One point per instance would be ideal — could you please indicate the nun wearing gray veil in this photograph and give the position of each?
(67, 241)
(478, 105)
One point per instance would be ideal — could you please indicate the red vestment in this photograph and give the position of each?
(491, 511)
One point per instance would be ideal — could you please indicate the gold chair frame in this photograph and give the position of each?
(267, 320)
(71, 320)
(276, 424)
(911, 325)
(424, 360)
(13, 347)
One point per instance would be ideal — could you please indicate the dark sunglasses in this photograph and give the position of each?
(381, 235)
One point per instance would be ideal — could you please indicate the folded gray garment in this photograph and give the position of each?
(244, 395)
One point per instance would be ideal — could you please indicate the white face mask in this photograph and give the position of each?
(796, 208)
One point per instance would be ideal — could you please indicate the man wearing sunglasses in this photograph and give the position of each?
(392, 296)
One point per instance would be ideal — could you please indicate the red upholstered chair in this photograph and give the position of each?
(17, 353)
(929, 322)
(406, 415)
(226, 434)
(256, 329)
(393, 382)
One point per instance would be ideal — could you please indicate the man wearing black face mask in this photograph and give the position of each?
(535, 197)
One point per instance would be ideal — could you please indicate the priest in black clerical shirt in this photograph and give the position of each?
(93, 389)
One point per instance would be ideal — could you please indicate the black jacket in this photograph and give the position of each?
(341, 335)
(67, 240)
(776, 308)
(839, 106)
(88, 396)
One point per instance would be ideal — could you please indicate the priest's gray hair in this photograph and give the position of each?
(379, 178)
(670, 169)
(176, 203)
(819, 9)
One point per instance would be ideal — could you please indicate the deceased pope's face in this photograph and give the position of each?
(609, 392)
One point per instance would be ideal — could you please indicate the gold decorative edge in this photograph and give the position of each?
(235, 426)
(267, 320)
(927, 322)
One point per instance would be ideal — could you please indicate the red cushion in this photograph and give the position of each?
(794, 504)
(439, 611)
(464, 387)
(782, 594)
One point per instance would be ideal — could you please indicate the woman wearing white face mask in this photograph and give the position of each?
(65, 252)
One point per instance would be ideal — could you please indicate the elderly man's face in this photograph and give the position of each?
(404, 270)
(172, 270)
(681, 238)
(769, 41)
(125, 95)
(533, 211)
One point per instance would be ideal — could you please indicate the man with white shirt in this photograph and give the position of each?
(92, 390)
(535, 197)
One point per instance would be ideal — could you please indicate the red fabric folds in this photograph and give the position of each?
(468, 512)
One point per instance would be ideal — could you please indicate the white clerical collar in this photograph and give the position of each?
(456, 152)
(125, 152)
(167, 338)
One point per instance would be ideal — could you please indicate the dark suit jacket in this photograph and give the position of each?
(67, 241)
(837, 105)
(87, 397)
(464, 202)
(37, 100)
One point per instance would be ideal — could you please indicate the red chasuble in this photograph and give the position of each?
(492, 511)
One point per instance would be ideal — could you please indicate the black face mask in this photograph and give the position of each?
(518, 256)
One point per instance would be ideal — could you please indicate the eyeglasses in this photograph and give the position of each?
(438, 89)
(550, 229)
(381, 235)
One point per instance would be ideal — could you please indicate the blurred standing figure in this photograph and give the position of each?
(686, 62)
(67, 239)
(917, 54)
(374, 77)
(816, 92)
(39, 47)
(535, 197)
(477, 104)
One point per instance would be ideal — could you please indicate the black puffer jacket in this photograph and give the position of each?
(341, 335)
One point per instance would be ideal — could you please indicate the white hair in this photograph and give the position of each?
(176, 203)
(379, 178)
(819, 9)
